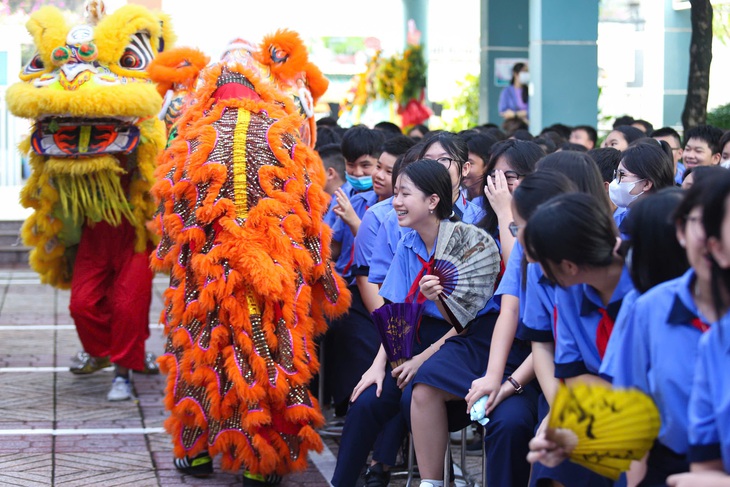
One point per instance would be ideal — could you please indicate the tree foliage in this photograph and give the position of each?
(465, 104)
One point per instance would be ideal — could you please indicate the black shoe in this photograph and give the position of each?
(200, 466)
(375, 476)
(256, 480)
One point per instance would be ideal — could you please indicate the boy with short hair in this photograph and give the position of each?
(361, 148)
(702, 146)
(584, 135)
(334, 167)
(671, 137)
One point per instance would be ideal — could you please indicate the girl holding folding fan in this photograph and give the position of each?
(423, 202)
(576, 242)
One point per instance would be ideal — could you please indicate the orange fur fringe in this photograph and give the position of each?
(180, 66)
(234, 387)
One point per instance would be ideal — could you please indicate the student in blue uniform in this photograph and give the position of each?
(538, 299)
(451, 151)
(510, 161)
(361, 149)
(576, 242)
(387, 446)
(480, 148)
(352, 340)
(644, 169)
(709, 410)
(653, 346)
(423, 197)
(518, 414)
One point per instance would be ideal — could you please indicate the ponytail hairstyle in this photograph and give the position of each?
(534, 190)
(580, 168)
(656, 255)
(452, 143)
(573, 227)
(715, 211)
(647, 159)
(521, 156)
(430, 177)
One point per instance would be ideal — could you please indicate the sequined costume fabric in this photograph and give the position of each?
(240, 220)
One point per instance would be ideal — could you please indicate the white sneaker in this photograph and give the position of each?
(121, 390)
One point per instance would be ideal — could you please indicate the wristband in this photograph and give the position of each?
(516, 385)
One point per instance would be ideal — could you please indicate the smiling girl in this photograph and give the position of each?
(377, 397)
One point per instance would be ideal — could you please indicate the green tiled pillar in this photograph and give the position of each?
(677, 34)
(505, 34)
(563, 62)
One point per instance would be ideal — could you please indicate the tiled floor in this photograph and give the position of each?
(42, 404)
(58, 429)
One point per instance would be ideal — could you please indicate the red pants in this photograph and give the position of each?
(111, 292)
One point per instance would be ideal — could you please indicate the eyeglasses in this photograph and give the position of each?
(514, 228)
(619, 175)
(510, 176)
(446, 161)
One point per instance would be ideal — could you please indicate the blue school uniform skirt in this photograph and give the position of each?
(459, 361)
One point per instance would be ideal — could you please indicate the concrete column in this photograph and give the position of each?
(563, 62)
(677, 34)
(505, 34)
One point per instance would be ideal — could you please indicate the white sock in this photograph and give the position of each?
(431, 483)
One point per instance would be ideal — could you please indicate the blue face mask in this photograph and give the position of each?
(363, 183)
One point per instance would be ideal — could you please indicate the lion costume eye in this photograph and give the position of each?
(138, 54)
(35, 65)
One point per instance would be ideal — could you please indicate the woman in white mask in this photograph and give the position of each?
(645, 168)
(513, 101)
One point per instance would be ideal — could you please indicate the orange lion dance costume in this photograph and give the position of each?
(240, 219)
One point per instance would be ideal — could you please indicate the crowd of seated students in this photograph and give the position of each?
(615, 270)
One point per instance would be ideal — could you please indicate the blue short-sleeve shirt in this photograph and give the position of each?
(342, 233)
(405, 270)
(709, 406)
(539, 316)
(578, 316)
(366, 237)
(654, 348)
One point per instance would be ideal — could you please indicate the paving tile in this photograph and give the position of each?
(25, 469)
(104, 461)
(133, 443)
(109, 478)
(26, 397)
(26, 348)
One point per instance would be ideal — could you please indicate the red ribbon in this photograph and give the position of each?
(700, 325)
(603, 333)
(414, 293)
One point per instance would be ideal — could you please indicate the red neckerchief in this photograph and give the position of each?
(700, 325)
(414, 293)
(603, 333)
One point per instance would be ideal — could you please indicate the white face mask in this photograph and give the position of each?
(524, 77)
(725, 163)
(620, 193)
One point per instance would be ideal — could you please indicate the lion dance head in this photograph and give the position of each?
(95, 134)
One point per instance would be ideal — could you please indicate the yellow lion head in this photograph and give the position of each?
(96, 135)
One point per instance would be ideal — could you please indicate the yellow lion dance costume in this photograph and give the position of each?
(241, 206)
(93, 151)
